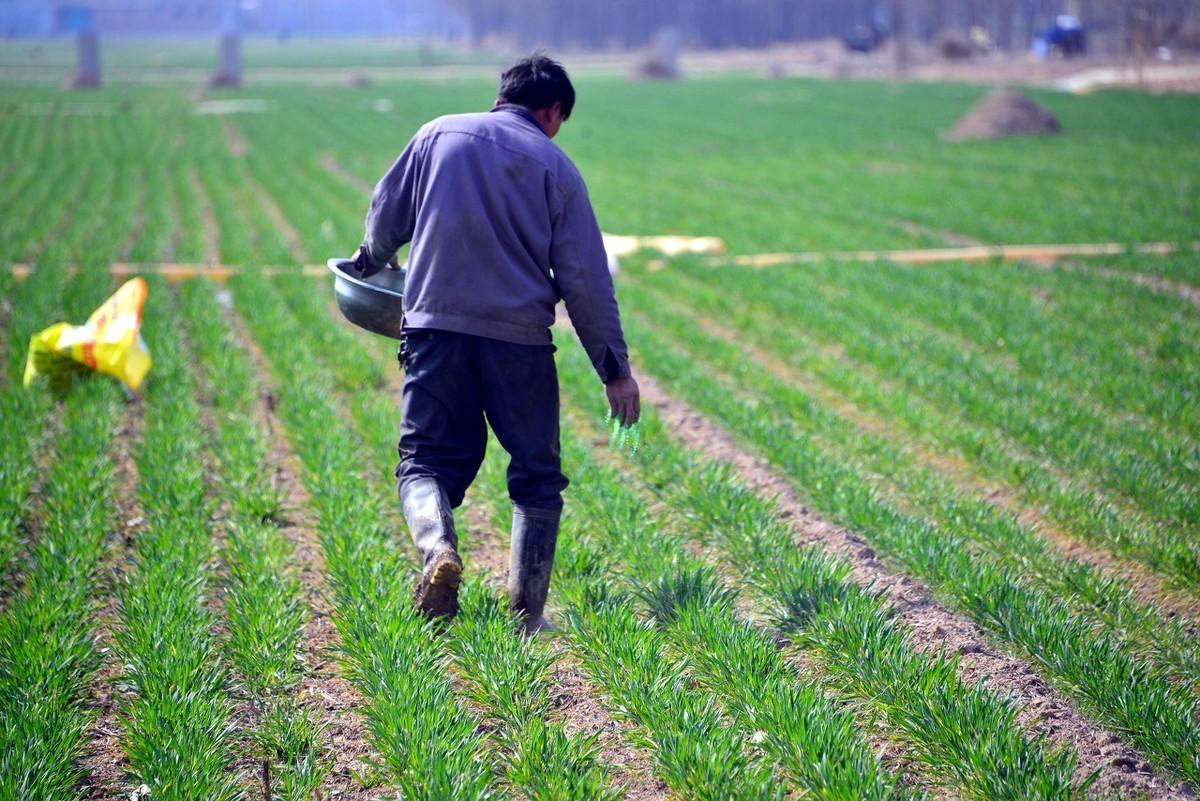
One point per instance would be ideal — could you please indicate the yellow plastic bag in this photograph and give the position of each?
(109, 342)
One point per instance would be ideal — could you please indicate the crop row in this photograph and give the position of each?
(682, 770)
(1109, 601)
(1123, 691)
(48, 657)
(839, 166)
(1101, 339)
(958, 418)
(968, 733)
(697, 754)
(176, 710)
(506, 674)
(1137, 464)
(265, 610)
(426, 738)
(23, 415)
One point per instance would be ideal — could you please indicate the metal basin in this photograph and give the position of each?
(372, 301)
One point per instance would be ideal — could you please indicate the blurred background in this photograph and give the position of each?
(1010, 39)
(252, 132)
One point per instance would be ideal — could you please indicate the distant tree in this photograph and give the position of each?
(753, 23)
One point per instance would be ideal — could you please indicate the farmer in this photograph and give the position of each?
(501, 230)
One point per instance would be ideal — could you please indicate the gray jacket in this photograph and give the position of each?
(501, 229)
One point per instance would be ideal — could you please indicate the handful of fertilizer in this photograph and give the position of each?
(622, 437)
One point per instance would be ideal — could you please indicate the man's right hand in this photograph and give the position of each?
(624, 399)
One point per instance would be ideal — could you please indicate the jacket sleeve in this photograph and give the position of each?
(580, 266)
(393, 212)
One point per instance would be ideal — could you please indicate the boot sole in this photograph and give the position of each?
(437, 594)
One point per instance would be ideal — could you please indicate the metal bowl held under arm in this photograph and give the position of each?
(370, 300)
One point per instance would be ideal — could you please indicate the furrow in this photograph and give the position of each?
(505, 676)
(427, 739)
(1149, 597)
(569, 700)
(322, 686)
(177, 712)
(934, 627)
(49, 657)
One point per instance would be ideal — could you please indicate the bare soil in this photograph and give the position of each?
(575, 700)
(104, 762)
(212, 229)
(335, 704)
(1005, 113)
(1148, 588)
(234, 139)
(934, 627)
(334, 167)
(278, 219)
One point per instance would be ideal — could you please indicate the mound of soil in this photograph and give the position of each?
(1005, 112)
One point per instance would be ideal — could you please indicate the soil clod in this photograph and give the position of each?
(1005, 113)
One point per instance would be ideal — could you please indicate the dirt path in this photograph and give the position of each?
(335, 168)
(291, 236)
(894, 753)
(575, 700)
(933, 626)
(1155, 283)
(1148, 588)
(125, 251)
(234, 139)
(212, 228)
(947, 236)
(333, 701)
(104, 762)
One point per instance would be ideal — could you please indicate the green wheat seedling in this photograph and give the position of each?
(696, 753)
(176, 715)
(815, 741)
(1078, 508)
(505, 672)
(766, 551)
(1123, 691)
(634, 559)
(622, 437)
(265, 610)
(509, 675)
(388, 650)
(46, 642)
(23, 414)
(938, 367)
(1143, 628)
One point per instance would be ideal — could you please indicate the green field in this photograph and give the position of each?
(892, 531)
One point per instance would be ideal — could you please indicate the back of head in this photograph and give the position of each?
(537, 82)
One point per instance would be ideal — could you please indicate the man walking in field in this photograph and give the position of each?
(501, 229)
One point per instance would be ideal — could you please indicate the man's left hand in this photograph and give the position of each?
(624, 399)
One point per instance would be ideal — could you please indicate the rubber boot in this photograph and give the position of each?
(534, 535)
(431, 523)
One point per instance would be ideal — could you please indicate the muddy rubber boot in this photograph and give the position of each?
(534, 535)
(431, 523)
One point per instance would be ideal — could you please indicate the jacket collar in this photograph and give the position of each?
(520, 111)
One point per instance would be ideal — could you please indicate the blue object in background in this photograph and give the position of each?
(73, 20)
(1067, 36)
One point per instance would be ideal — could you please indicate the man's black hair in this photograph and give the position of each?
(537, 82)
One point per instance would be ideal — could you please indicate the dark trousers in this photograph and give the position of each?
(452, 383)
